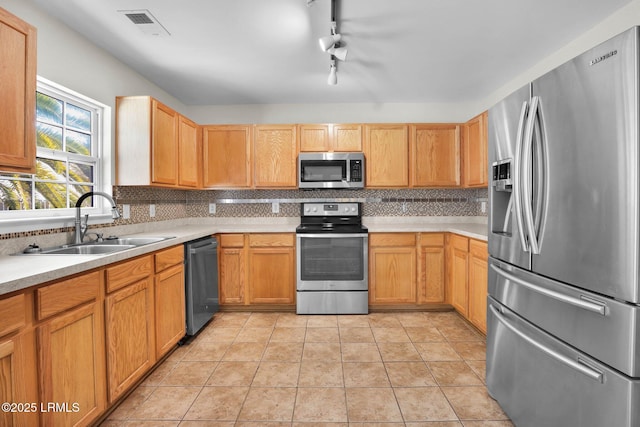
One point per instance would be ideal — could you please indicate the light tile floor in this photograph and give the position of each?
(281, 369)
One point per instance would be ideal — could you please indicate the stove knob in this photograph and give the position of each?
(306, 209)
(353, 209)
(346, 209)
(315, 209)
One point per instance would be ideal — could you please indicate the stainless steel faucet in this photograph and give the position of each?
(81, 229)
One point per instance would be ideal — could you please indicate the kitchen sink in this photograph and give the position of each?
(134, 241)
(90, 249)
(102, 247)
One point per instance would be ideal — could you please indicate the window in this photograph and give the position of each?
(69, 161)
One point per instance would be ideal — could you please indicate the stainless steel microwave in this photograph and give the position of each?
(331, 170)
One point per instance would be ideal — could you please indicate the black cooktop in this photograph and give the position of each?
(331, 228)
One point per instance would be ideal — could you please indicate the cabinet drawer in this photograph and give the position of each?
(232, 240)
(392, 239)
(66, 294)
(169, 257)
(128, 272)
(432, 239)
(459, 242)
(478, 249)
(267, 240)
(12, 314)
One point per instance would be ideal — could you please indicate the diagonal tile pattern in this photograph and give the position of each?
(282, 369)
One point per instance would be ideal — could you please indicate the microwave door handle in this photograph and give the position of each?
(526, 170)
(517, 171)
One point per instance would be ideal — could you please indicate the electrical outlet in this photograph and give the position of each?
(152, 210)
(275, 207)
(212, 208)
(126, 211)
(483, 207)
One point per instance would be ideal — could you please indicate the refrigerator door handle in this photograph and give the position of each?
(578, 302)
(517, 177)
(527, 147)
(578, 365)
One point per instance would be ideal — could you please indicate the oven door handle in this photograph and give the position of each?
(331, 235)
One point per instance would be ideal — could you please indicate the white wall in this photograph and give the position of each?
(615, 24)
(67, 58)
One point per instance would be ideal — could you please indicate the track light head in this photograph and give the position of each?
(339, 52)
(328, 42)
(333, 74)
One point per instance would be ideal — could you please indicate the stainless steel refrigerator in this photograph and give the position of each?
(564, 243)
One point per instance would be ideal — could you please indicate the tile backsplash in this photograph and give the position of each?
(170, 204)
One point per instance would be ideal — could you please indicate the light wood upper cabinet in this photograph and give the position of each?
(431, 268)
(155, 145)
(227, 156)
(17, 94)
(275, 149)
(189, 153)
(330, 137)
(386, 149)
(474, 142)
(435, 153)
(164, 147)
(478, 276)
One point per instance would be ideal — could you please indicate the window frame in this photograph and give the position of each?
(38, 219)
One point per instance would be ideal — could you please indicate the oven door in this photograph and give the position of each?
(332, 261)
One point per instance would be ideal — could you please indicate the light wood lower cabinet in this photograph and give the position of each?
(129, 324)
(257, 269)
(458, 264)
(18, 365)
(392, 268)
(478, 276)
(71, 350)
(431, 268)
(169, 308)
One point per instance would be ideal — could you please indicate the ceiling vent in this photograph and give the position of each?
(146, 22)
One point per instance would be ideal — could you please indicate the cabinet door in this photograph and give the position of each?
(232, 275)
(459, 256)
(387, 155)
(227, 156)
(271, 275)
(475, 151)
(17, 94)
(275, 152)
(314, 138)
(130, 333)
(431, 280)
(189, 164)
(478, 284)
(164, 147)
(435, 151)
(347, 137)
(18, 380)
(169, 309)
(392, 277)
(72, 365)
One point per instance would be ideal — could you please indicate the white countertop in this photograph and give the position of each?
(19, 272)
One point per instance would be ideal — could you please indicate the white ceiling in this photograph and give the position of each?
(223, 52)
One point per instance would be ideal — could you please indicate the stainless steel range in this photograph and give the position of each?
(332, 259)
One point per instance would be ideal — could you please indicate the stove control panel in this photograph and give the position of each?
(330, 209)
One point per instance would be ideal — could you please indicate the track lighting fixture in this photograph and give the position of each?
(331, 45)
(333, 74)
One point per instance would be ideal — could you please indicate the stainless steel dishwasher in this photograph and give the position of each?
(201, 282)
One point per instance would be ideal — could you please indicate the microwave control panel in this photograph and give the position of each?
(355, 171)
